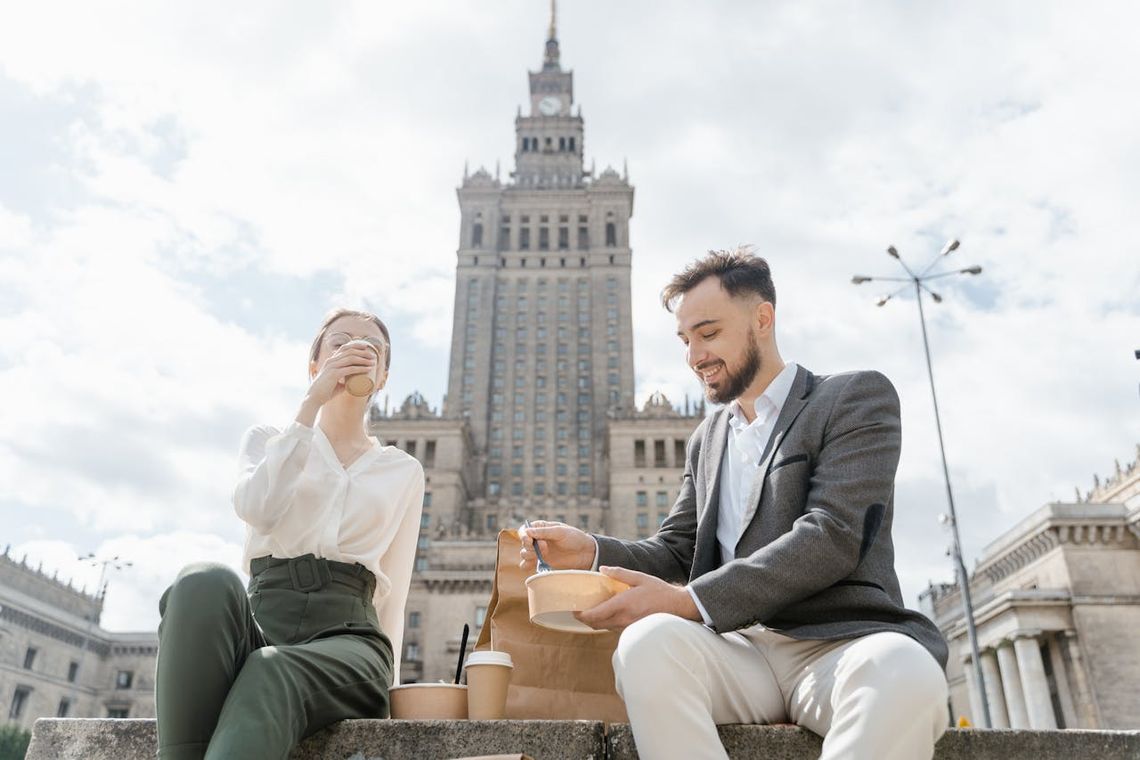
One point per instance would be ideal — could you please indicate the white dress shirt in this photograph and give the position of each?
(741, 464)
(297, 498)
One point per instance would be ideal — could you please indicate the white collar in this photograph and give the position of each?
(774, 397)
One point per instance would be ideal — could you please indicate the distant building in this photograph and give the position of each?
(539, 419)
(1057, 608)
(55, 660)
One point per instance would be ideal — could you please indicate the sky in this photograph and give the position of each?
(186, 189)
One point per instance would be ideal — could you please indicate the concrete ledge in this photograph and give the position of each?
(105, 739)
(795, 743)
(742, 742)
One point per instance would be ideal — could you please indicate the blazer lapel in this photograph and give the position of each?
(797, 399)
(706, 553)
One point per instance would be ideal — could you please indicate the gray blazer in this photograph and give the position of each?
(816, 560)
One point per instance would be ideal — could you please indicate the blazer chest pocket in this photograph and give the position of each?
(789, 460)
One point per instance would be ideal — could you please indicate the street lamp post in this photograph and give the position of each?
(918, 281)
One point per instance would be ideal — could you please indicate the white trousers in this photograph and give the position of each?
(881, 696)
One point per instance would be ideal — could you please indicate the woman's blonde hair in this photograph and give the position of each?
(337, 314)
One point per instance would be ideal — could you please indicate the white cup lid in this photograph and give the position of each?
(490, 658)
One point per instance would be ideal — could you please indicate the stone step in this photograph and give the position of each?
(108, 739)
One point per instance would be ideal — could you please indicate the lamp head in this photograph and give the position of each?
(937, 298)
(882, 301)
(972, 270)
(859, 279)
(892, 251)
(950, 246)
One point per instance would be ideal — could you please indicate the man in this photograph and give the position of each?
(790, 608)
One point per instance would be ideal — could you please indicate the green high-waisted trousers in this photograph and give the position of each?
(250, 676)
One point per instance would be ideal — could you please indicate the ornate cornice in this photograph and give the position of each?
(1049, 536)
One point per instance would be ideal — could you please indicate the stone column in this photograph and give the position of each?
(998, 714)
(1061, 677)
(1087, 707)
(972, 690)
(1011, 686)
(1034, 683)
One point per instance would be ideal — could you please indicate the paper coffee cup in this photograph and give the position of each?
(361, 385)
(488, 676)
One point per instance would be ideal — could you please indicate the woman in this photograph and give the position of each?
(331, 520)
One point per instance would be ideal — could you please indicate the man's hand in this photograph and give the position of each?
(647, 594)
(562, 546)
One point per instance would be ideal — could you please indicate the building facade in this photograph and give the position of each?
(1057, 610)
(55, 660)
(539, 420)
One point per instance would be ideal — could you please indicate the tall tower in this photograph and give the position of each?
(541, 350)
(539, 418)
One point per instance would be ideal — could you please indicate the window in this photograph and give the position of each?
(30, 658)
(563, 238)
(642, 499)
(544, 238)
(583, 522)
(429, 461)
(540, 489)
(659, 454)
(661, 517)
(425, 521)
(124, 678)
(72, 671)
(477, 235)
(64, 708)
(583, 489)
(524, 238)
(504, 238)
(662, 499)
(492, 523)
(678, 453)
(561, 488)
(411, 448)
(494, 488)
(413, 619)
(412, 652)
(421, 564)
(516, 489)
(584, 469)
(19, 699)
(118, 712)
(611, 235)
(639, 453)
(480, 615)
(427, 498)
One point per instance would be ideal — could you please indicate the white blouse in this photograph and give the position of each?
(296, 498)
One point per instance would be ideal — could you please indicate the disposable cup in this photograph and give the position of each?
(488, 676)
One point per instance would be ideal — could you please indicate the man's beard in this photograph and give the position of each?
(736, 383)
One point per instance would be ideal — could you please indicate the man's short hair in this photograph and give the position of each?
(739, 271)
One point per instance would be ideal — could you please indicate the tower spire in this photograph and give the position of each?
(550, 60)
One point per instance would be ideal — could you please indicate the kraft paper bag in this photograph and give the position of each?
(557, 675)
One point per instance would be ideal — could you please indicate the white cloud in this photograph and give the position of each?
(205, 181)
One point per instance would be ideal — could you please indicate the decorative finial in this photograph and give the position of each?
(625, 169)
(465, 172)
(552, 32)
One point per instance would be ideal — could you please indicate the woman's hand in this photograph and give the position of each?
(562, 546)
(346, 361)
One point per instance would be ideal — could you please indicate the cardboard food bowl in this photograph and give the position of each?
(429, 701)
(555, 596)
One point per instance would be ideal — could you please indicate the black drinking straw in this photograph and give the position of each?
(462, 651)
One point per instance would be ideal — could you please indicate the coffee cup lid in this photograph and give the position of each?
(490, 658)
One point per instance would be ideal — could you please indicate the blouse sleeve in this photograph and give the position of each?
(396, 564)
(270, 463)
